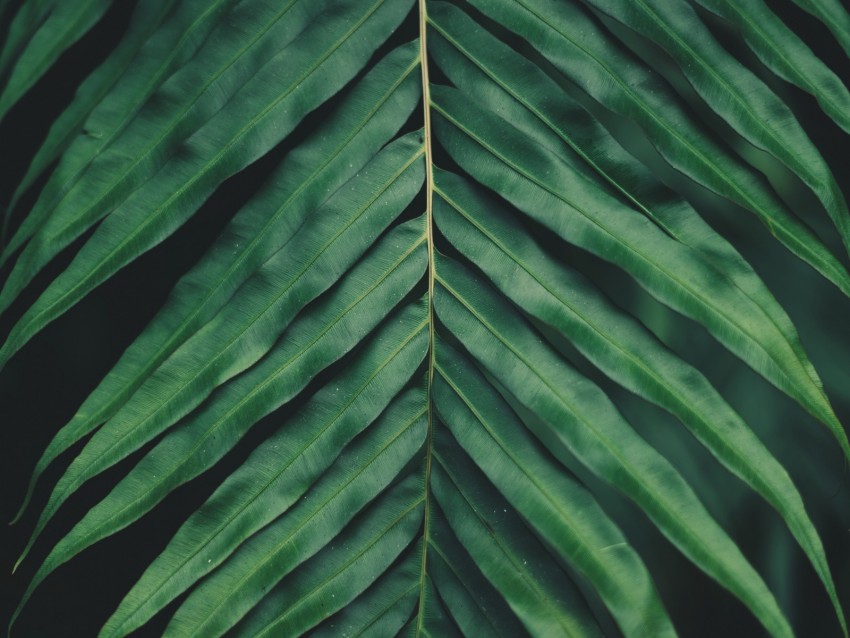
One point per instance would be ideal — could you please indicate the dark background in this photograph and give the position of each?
(43, 385)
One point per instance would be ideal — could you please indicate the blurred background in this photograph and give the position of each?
(43, 385)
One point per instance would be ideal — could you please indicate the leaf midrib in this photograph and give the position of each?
(422, 11)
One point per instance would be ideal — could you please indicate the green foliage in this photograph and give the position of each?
(416, 299)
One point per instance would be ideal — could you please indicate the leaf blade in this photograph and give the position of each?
(304, 180)
(735, 94)
(582, 417)
(510, 164)
(328, 62)
(623, 349)
(552, 502)
(248, 499)
(579, 49)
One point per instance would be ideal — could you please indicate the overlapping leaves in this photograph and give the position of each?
(410, 491)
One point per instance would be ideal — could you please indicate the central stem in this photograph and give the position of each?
(429, 236)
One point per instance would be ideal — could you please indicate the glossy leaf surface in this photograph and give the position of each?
(417, 347)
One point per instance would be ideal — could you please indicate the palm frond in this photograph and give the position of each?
(409, 309)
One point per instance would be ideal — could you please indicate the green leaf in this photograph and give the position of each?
(472, 601)
(218, 425)
(833, 15)
(364, 468)
(332, 578)
(235, 136)
(403, 364)
(59, 25)
(536, 487)
(243, 331)
(785, 54)
(375, 110)
(29, 16)
(581, 416)
(496, 154)
(94, 115)
(136, 136)
(734, 93)
(584, 53)
(382, 609)
(620, 347)
(492, 73)
(282, 469)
